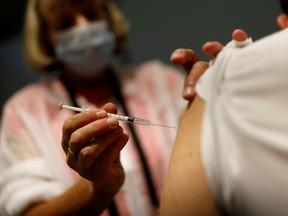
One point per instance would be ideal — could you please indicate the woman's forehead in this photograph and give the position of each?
(59, 5)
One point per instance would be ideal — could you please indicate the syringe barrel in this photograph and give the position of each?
(120, 117)
(142, 121)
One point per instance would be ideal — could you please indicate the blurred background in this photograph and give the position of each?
(157, 28)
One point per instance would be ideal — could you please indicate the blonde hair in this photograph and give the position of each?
(39, 55)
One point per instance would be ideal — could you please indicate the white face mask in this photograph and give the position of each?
(88, 49)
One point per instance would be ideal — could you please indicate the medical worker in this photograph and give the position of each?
(75, 47)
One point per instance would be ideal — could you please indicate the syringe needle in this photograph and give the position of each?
(127, 119)
(164, 126)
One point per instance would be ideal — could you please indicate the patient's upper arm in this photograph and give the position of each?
(186, 190)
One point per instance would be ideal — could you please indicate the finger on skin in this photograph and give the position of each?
(239, 35)
(90, 131)
(190, 82)
(212, 48)
(89, 154)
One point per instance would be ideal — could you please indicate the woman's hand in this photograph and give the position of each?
(188, 59)
(92, 142)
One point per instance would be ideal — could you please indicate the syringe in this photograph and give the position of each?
(128, 119)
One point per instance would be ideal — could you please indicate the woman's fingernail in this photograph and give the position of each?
(113, 122)
(101, 114)
(176, 54)
(189, 90)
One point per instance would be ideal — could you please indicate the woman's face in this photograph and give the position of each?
(63, 14)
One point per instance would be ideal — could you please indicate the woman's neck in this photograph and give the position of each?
(80, 82)
(97, 90)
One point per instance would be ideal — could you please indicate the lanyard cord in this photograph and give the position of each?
(147, 172)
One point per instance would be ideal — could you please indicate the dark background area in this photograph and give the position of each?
(157, 28)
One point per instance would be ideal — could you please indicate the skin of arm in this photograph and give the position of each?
(186, 190)
(81, 199)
